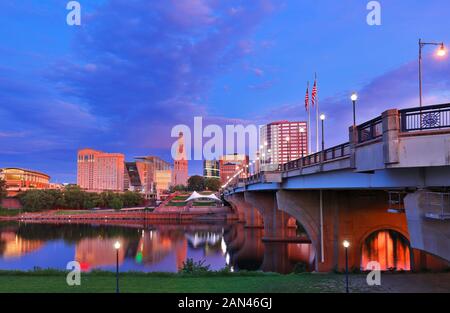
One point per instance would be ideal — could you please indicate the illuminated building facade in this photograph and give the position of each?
(232, 163)
(211, 169)
(132, 180)
(155, 175)
(281, 142)
(100, 171)
(18, 179)
(180, 169)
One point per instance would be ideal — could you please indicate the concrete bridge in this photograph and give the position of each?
(393, 175)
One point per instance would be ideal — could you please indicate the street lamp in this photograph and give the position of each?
(441, 52)
(288, 148)
(354, 98)
(346, 245)
(322, 118)
(302, 131)
(117, 247)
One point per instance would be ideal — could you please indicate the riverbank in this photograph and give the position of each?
(111, 215)
(244, 282)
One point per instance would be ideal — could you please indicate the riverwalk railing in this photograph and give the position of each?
(425, 118)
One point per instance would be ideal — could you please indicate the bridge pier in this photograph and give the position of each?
(246, 212)
(277, 224)
(429, 234)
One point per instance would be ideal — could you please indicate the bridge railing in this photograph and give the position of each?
(425, 118)
(329, 154)
(370, 130)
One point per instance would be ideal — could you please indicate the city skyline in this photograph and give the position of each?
(212, 60)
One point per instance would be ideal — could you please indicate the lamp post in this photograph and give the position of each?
(322, 118)
(441, 52)
(354, 98)
(346, 244)
(117, 247)
(302, 131)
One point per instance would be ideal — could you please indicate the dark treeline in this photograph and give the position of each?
(72, 197)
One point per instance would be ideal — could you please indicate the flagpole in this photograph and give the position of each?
(317, 115)
(309, 126)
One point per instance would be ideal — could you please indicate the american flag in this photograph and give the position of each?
(314, 93)
(307, 98)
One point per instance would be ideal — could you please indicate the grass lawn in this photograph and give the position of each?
(204, 204)
(177, 204)
(54, 281)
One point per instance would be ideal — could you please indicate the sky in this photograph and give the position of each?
(134, 69)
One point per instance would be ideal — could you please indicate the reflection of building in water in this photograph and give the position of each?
(14, 246)
(200, 239)
(387, 247)
(154, 246)
(209, 241)
(97, 252)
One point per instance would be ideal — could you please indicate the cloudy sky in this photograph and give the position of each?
(136, 68)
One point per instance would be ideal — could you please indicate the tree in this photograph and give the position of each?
(116, 203)
(131, 199)
(196, 183)
(2, 189)
(212, 184)
(74, 197)
(37, 200)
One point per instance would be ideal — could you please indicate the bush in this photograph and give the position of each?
(300, 268)
(192, 267)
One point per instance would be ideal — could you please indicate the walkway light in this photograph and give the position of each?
(322, 118)
(117, 247)
(441, 52)
(354, 98)
(346, 245)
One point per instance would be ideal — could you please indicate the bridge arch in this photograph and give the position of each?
(389, 247)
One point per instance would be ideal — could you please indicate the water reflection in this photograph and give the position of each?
(146, 248)
(13, 246)
(389, 248)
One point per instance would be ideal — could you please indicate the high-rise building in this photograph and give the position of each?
(155, 175)
(281, 142)
(211, 169)
(230, 164)
(131, 179)
(100, 171)
(180, 169)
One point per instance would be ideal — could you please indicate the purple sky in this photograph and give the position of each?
(136, 68)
